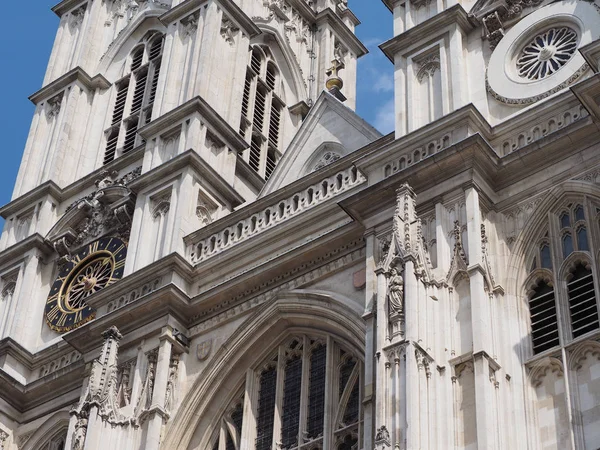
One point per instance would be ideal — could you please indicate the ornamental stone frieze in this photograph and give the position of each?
(108, 209)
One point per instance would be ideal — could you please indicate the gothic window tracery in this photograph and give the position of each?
(134, 98)
(563, 302)
(291, 400)
(57, 442)
(262, 109)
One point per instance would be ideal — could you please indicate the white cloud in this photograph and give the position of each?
(384, 83)
(385, 117)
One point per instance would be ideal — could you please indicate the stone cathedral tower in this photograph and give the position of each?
(208, 249)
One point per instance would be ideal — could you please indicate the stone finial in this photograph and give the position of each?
(334, 83)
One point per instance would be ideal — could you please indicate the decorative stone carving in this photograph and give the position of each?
(427, 67)
(189, 25)
(297, 203)
(326, 159)
(529, 100)
(382, 438)
(108, 209)
(80, 431)
(145, 399)
(125, 388)
(229, 30)
(203, 350)
(102, 387)
(9, 284)
(59, 363)
(494, 28)
(77, 16)
(170, 391)
(3, 439)
(423, 362)
(540, 369)
(134, 294)
(459, 260)
(53, 106)
(396, 293)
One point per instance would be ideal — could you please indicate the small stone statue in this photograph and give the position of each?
(396, 292)
(80, 432)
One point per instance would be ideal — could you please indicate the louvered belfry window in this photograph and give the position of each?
(262, 109)
(290, 399)
(571, 305)
(135, 94)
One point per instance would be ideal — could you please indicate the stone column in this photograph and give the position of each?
(412, 371)
(156, 413)
(481, 325)
(370, 342)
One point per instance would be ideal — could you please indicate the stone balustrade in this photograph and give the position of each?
(275, 214)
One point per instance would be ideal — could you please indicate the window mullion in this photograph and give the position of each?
(223, 435)
(560, 285)
(330, 393)
(279, 397)
(248, 435)
(304, 389)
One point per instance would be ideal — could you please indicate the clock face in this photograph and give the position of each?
(93, 268)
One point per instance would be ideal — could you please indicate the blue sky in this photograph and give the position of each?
(29, 36)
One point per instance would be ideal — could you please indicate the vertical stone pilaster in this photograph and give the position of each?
(157, 413)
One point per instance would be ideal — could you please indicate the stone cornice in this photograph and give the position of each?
(367, 158)
(65, 6)
(185, 160)
(30, 198)
(243, 169)
(343, 32)
(59, 390)
(61, 194)
(265, 202)
(213, 120)
(15, 252)
(75, 75)
(390, 4)
(591, 53)
(233, 12)
(456, 15)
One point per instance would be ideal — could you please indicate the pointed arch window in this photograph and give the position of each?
(572, 304)
(291, 397)
(135, 94)
(262, 110)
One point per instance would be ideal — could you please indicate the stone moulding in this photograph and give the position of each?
(233, 307)
(529, 100)
(275, 214)
(541, 129)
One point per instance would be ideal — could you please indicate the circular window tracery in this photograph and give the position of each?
(547, 53)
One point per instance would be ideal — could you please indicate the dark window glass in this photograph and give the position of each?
(582, 301)
(565, 221)
(582, 240)
(546, 257)
(579, 215)
(266, 409)
(316, 396)
(291, 403)
(544, 322)
(567, 245)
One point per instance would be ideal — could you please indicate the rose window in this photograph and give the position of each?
(547, 53)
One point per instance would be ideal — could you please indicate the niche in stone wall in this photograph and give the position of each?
(466, 424)
(462, 315)
(427, 87)
(169, 145)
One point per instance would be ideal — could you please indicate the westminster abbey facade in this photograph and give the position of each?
(207, 248)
